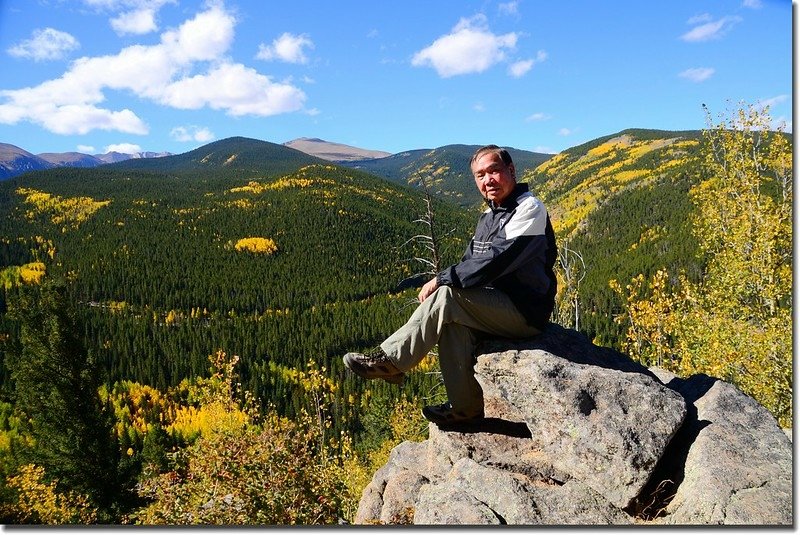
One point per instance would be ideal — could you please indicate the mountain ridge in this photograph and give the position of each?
(406, 167)
(15, 160)
(443, 170)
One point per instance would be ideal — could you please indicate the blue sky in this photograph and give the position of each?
(539, 75)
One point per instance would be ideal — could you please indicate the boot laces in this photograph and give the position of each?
(376, 356)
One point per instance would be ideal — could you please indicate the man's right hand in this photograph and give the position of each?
(427, 289)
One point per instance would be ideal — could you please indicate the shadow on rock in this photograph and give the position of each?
(496, 426)
(570, 345)
(669, 472)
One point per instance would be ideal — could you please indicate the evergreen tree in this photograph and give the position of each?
(56, 389)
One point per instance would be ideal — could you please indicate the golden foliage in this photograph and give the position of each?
(256, 245)
(66, 211)
(136, 409)
(31, 273)
(649, 235)
(38, 502)
(612, 166)
(289, 182)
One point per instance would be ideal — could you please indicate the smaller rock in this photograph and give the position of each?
(737, 465)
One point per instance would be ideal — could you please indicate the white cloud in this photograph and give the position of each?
(698, 74)
(85, 149)
(237, 89)
(124, 148)
(191, 133)
(479, 107)
(161, 73)
(519, 68)
(780, 121)
(773, 101)
(508, 8)
(566, 131)
(82, 119)
(135, 22)
(710, 30)
(539, 116)
(469, 48)
(287, 47)
(204, 38)
(752, 4)
(45, 44)
(132, 17)
(700, 19)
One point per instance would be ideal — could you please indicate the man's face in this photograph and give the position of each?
(495, 181)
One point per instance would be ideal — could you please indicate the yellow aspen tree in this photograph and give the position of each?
(735, 323)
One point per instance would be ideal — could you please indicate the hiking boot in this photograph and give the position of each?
(374, 365)
(444, 414)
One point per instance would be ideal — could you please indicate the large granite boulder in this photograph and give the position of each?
(577, 434)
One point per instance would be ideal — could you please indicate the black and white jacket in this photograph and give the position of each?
(513, 250)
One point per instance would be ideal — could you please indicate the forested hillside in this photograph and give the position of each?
(444, 170)
(622, 203)
(279, 269)
(234, 156)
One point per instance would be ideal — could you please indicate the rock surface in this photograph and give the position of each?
(577, 434)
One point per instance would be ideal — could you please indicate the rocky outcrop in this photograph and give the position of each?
(733, 464)
(577, 434)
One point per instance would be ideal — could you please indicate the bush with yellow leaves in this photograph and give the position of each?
(38, 502)
(244, 469)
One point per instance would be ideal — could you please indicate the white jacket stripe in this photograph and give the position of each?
(530, 218)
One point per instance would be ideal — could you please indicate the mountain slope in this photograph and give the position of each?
(445, 170)
(71, 159)
(113, 156)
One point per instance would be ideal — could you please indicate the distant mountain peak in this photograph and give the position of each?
(15, 161)
(335, 152)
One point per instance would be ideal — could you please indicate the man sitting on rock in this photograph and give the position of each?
(504, 285)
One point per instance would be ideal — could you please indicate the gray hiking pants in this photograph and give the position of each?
(453, 317)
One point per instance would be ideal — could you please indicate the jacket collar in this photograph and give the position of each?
(510, 202)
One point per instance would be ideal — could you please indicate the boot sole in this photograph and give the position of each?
(450, 418)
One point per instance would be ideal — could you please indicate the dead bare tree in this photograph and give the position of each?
(428, 240)
(572, 269)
